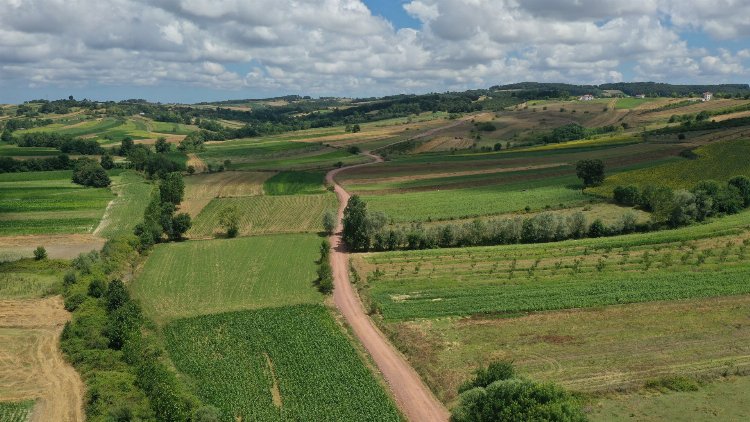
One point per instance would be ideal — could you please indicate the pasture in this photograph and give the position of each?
(48, 202)
(290, 363)
(27, 278)
(266, 214)
(204, 277)
(596, 350)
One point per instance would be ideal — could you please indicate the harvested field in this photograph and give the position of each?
(31, 366)
(200, 189)
(197, 163)
(62, 246)
(444, 143)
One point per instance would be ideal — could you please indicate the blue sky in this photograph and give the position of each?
(202, 50)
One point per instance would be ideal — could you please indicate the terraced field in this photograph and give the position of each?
(290, 363)
(267, 214)
(204, 277)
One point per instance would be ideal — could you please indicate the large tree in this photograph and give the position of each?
(172, 188)
(591, 172)
(356, 226)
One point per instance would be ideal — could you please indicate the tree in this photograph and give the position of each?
(517, 400)
(356, 228)
(329, 222)
(495, 371)
(742, 183)
(684, 209)
(172, 188)
(180, 225)
(88, 172)
(107, 162)
(6, 137)
(229, 219)
(40, 253)
(116, 295)
(627, 195)
(126, 145)
(162, 146)
(597, 228)
(356, 128)
(190, 170)
(591, 172)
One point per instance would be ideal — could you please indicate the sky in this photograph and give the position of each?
(207, 50)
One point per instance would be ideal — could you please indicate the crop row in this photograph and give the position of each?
(290, 363)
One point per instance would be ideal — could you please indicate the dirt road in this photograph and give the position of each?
(31, 365)
(412, 396)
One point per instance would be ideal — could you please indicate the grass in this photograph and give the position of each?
(48, 202)
(599, 350)
(16, 411)
(121, 217)
(27, 278)
(16, 151)
(481, 201)
(629, 103)
(324, 160)
(726, 400)
(203, 277)
(719, 161)
(291, 363)
(294, 182)
(267, 214)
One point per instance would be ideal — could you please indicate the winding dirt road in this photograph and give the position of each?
(412, 396)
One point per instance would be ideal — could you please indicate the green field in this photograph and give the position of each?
(325, 159)
(48, 202)
(267, 214)
(629, 103)
(27, 278)
(481, 201)
(726, 400)
(291, 363)
(133, 194)
(116, 128)
(203, 277)
(16, 411)
(571, 274)
(294, 182)
(719, 161)
(16, 151)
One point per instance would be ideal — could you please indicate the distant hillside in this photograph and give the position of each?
(652, 89)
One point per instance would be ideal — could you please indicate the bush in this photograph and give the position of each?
(329, 222)
(496, 371)
(597, 229)
(673, 383)
(90, 173)
(73, 301)
(627, 195)
(97, 288)
(40, 253)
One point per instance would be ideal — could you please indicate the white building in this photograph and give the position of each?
(587, 97)
(640, 96)
(707, 96)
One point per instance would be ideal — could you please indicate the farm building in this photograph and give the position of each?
(707, 96)
(587, 97)
(640, 96)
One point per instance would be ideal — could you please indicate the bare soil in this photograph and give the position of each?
(61, 246)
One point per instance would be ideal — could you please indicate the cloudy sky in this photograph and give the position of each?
(196, 50)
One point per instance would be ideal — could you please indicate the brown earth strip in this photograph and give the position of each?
(60, 246)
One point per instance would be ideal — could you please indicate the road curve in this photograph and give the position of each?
(412, 396)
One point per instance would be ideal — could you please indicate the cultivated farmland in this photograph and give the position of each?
(267, 214)
(291, 363)
(201, 189)
(203, 277)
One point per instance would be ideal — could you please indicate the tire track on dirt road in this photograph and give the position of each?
(412, 396)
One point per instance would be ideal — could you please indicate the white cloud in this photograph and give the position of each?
(340, 47)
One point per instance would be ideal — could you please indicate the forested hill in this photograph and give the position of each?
(651, 89)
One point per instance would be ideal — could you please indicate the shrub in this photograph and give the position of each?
(90, 173)
(329, 222)
(627, 195)
(97, 288)
(495, 371)
(73, 301)
(673, 383)
(40, 253)
(597, 229)
(69, 278)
